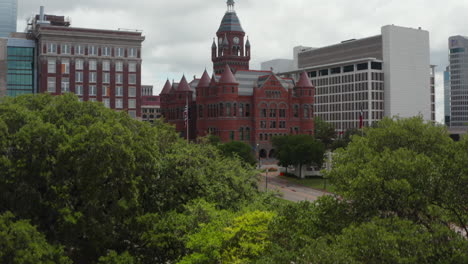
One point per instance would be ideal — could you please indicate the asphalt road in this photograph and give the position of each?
(290, 191)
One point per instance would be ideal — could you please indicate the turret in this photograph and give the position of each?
(213, 49)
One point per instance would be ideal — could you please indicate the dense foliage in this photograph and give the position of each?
(80, 183)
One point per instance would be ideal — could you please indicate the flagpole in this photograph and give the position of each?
(187, 117)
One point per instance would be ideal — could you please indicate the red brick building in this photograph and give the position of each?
(95, 64)
(237, 103)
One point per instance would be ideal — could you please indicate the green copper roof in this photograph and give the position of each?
(230, 22)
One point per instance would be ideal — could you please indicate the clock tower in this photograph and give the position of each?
(230, 47)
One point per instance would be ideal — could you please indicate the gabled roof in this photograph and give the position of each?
(304, 81)
(205, 80)
(183, 85)
(227, 76)
(167, 87)
(230, 23)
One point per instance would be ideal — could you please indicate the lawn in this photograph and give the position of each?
(312, 182)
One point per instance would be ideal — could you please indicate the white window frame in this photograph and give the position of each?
(78, 77)
(104, 90)
(65, 86)
(65, 66)
(106, 102)
(131, 103)
(131, 91)
(79, 89)
(132, 66)
(105, 51)
(51, 85)
(132, 79)
(65, 49)
(92, 77)
(92, 50)
(119, 66)
(92, 90)
(119, 78)
(106, 65)
(79, 50)
(52, 48)
(119, 52)
(132, 113)
(119, 103)
(105, 77)
(51, 66)
(132, 52)
(79, 64)
(92, 65)
(119, 91)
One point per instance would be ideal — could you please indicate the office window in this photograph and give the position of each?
(105, 77)
(231, 135)
(65, 67)
(79, 77)
(92, 50)
(92, 77)
(106, 51)
(119, 103)
(132, 67)
(92, 65)
(106, 102)
(132, 78)
(51, 85)
(105, 91)
(79, 64)
(119, 78)
(272, 124)
(79, 50)
(131, 103)
(131, 91)
(119, 91)
(92, 100)
(51, 48)
(263, 124)
(65, 85)
(263, 112)
(247, 110)
(132, 113)
(119, 52)
(79, 89)
(132, 52)
(296, 111)
(106, 65)
(65, 49)
(92, 90)
(118, 66)
(282, 113)
(51, 66)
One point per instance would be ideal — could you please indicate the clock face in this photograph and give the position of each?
(236, 40)
(220, 40)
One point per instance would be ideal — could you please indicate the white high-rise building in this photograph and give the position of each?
(8, 13)
(384, 75)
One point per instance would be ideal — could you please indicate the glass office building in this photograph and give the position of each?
(8, 14)
(20, 75)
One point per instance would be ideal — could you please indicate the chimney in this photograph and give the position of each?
(41, 17)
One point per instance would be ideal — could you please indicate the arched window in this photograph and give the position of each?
(241, 133)
(241, 110)
(306, 111)
(228, 109)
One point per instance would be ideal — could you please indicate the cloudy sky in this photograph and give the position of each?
(179, 33)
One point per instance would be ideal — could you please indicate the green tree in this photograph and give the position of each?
(240, 150)
(21, 243)
(404, 167)
(298, 150)
(85, 174)
(324, 131)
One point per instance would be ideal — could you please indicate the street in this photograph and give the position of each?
(290, 191)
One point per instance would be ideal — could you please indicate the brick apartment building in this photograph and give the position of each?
(237, 103)
(95, 64)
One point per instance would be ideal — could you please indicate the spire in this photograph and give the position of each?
(213, 80)
(183, 85)
(227, 76)
(247, 44)
(304, 81)
(230, 6)
(167, 87)
(205, 80)
(214, 44)
(225, 41)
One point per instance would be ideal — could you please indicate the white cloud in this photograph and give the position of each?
(179, 33)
